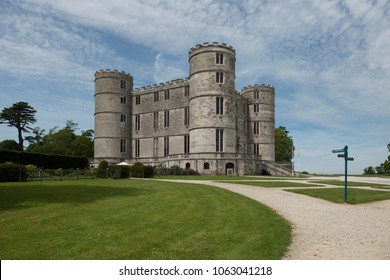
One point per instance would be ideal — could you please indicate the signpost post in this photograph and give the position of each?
(343, 153)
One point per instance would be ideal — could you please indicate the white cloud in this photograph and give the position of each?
(329, 60)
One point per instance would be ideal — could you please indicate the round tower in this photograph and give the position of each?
(212, 102)
(261, 123)
(112, 115)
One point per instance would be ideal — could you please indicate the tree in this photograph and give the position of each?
(9, 145)
(284, 145)
(369, 170)
(383, 168)
(20, 115)
(62, 142)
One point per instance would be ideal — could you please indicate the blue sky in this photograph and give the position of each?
(328, 60)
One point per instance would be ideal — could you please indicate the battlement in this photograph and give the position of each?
(250, 88)
(162, 86)
(213, 44)
(116, 72)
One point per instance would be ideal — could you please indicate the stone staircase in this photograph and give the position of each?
(277, 169)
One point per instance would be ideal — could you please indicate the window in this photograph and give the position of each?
(256, 108)
(137, 148)
(186, 90)
(123, 121)
(137, 100)
(166, 146)
(155, 147)
(156, 96)
(166, 118)
(186, 116)
(256, 94)
(219, 140)
(219, 105)
(256, 128)
(166, 94)
(206, 165)
(186, 144)
(123, 99)
(123, 146)
(188, 165)
(155, 120)
(256, 149)
(123, 84)
(137, 122)
(219, 58)
(219, 77)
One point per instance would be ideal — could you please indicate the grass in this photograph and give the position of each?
(355, 196)
(354, 184)
(222, 177)
(277, 184)
(135, 219)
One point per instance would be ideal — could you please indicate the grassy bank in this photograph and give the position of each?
(135, 219)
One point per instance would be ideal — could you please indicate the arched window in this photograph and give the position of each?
(206, 165)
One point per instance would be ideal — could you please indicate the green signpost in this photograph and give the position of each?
(343, 153)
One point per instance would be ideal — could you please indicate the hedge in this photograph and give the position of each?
(10, 172)
(44, 160)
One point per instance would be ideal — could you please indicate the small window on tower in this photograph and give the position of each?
(123, 99)
(219, 77)
(219, 58)
(186, 90)
(137, 100)
(123, 84)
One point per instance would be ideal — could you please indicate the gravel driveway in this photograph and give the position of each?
(322, 229)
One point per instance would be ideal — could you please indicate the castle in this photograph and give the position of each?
(200, 122)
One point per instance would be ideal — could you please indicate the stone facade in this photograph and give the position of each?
(200, 122)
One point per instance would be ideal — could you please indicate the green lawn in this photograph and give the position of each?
(223, 177)
(355, 196)
(354, 184)
(135, 219)
(277, 184)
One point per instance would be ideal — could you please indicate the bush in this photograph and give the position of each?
(137, 170)
(10, 172)
(148, 171)
(103, 164)
(175, 170)
(118, 171)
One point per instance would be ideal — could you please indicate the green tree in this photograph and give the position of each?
(284, 145)
(63, 141)
(369, 170)
(20, 115)
(9, 145)
(383, 168)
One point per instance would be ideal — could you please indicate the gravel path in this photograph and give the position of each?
(322, 229)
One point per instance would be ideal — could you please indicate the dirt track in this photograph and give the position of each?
(322, 229)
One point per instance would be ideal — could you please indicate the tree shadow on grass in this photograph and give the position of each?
(22, 197)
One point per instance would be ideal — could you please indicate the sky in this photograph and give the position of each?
(329, 62)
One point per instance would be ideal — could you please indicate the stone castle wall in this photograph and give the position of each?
(201, 122)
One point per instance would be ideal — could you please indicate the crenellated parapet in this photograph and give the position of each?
(109, 72)
(162, 86)
(199, 47)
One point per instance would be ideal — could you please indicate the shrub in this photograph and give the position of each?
(118, 171)
(44, 160)
(31, 167)
(175, 170)
(10, 172)
(148, 171)
(137, 170)
(103, 164)
(101, 171)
